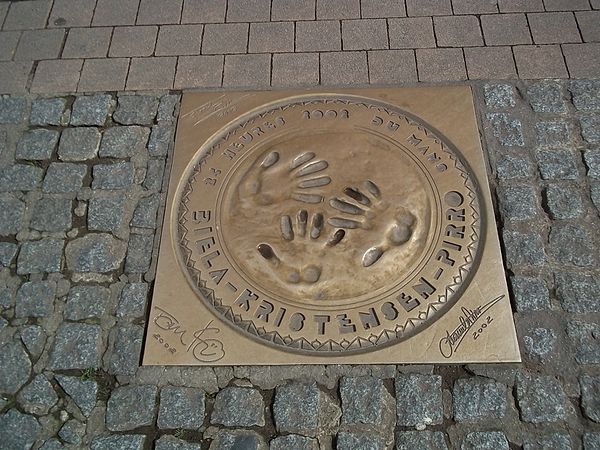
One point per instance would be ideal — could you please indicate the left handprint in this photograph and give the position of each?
(304, 235)
(271, 181)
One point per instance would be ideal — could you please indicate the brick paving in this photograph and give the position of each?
(81, 189)
(502, 39)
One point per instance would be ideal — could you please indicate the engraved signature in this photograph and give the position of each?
(203, 349)
(450, 343)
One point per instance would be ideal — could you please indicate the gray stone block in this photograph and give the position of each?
(425, 440)
(590, 129)
(553, 134)
(160, 140)
(573, 245)
(509, 131)
(139, 253)
(8, 251)
(86, 302)
(478, 399)
(359, 441)
(591, 441)
(15, 367)
(237, 439)
(76, 346)
(181, 408)
(62, 178)
(91, 110)
(518, 202)
(539, 344)
(113, 176)
(154, 175)
(79, 144)
(585, 94)
(530, 294)
(12, 109)
(239, 407)
(546, 97)
(167, 442)
(563, 202)
(52, 214)
(37, 144)
(126, 349)
(18, 431)
(144, 215)
(35, 299)
(523, 248)
(509, 167)
(485, 440)
(577, 293)
(106, 213)
(293, 441)
(11, 214)
(48, 111)
(40, 256)
(136, 110)
(499, 96)
(363, 400)
(20, 177)
(133, 299)
(554, 441)
(83, 392)
(131, 407)
(123, 142)
(419, 400)
(119, 441)
(541, 399)
(590, 396)
(95, 253)
(38, 396)
(584, 336)
(72, 432)
(34, 338)
(592, 161)
(557, 165)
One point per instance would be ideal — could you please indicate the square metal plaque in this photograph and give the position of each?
(329, 227)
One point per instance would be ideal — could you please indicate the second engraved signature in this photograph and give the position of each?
(450, 343)
(200, 344)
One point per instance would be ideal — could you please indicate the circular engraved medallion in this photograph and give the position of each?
(328, 224)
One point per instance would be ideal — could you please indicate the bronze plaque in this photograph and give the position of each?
(353, 226)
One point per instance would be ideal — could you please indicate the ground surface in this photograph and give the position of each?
(82, 188)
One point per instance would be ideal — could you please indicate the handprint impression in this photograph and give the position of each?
(300, 234)
(361, 209)
(271, 181)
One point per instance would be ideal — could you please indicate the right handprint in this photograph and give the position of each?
(361, 207)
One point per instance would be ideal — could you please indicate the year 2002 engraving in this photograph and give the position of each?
(328, 225)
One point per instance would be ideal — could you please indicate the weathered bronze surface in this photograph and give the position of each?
(329, 227)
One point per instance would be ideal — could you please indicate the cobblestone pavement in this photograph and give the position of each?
(64, 46)
(81, 199)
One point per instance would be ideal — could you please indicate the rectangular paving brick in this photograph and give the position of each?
(271, 37)
(553, 28)
(151, 73)
(87, 42)
(371, 9)
(106, 74)
(441, 64)
(40, 44)
(505, 29)
(595, 4)
(428, 8)
(457, 31)
(293, 9)
(174, 40)
(475, 6)
(247, 71)
(583, 60)
(520, 5)
(199, 72)
(3, 11)
(27, 15)
(203, 11)
(56, 76)
(344, 68)
(249, 11)
(338, 9)
(159, 12)
(411, 32)
(392, 67)
(14, 76)
(319, 36)
(66, 14)
(566, 5)
(589, 25)
(8, 44)
(133, 41)
(295, 69)
(539, 61)
(115, 12)
(365, 34)
(222, 38)
(490, 63)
